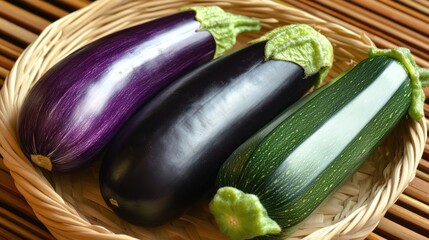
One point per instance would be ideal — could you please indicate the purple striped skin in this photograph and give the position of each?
(78, 105)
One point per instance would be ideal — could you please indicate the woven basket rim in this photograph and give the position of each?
(44, 198)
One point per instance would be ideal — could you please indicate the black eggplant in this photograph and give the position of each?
(167, 156)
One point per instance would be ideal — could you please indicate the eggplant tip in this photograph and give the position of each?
(42, 161)
(113, 202)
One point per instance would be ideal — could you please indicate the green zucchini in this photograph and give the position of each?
(278, 177)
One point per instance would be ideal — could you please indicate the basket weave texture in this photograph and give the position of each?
(71, 206)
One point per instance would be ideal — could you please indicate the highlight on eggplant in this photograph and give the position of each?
(168, 154)
(76, 107)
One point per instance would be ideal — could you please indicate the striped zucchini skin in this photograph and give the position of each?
(294, 163)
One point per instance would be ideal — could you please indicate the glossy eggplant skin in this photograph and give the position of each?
(78, 105)
(168, 154)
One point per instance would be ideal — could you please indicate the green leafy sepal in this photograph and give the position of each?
(240, 215)
(419, 77)
(223, 26)
(301, 44)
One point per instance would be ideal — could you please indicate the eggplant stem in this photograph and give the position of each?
(243, 24)
(223, 26)
(42, 161)
(300, 44)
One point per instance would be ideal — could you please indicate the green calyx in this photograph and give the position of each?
(419, 77)
(223, 26)
(301, 44)
(240, 215)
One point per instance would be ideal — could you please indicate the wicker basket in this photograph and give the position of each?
(71, 206)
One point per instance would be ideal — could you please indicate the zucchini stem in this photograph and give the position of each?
(424, 76)
(240, 215)
(419, 77)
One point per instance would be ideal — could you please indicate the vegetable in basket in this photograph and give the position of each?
(278, 177)
(168, 154)
(79, 104)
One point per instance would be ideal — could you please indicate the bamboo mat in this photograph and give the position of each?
(389, 23)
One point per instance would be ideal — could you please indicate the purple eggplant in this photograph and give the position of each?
(168, 154)
(76, 108)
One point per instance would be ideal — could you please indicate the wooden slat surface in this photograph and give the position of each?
(389, 23)
(23, 17)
